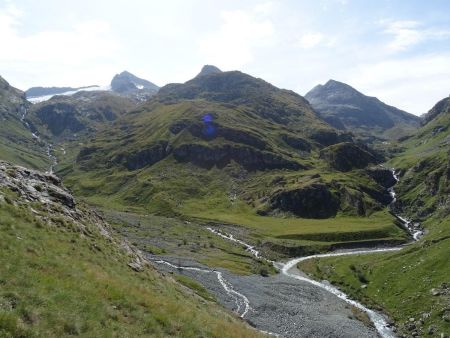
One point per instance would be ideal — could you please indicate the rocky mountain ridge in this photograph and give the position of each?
(347, 109)
(46, 91)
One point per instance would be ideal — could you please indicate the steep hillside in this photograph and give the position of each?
(425, 166)
(347, 109)
(228, 147)
(63, 117)
(17, 144)
(64, 273)
(413, 284)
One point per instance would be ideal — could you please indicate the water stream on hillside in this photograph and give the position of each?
(413, 228)
(289, 269)
(48, 146)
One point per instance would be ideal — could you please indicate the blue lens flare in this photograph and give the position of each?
(209, 129)
(207, 118)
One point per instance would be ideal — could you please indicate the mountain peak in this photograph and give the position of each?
(334, 84)
(208, 70)
(127, 82)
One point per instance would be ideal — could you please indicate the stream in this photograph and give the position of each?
(241, 301)
(290, 270)
(48, 146)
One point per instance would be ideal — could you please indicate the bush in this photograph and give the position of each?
(362, 278)
(264, 272)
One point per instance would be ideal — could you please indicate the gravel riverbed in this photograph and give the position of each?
(279, 304)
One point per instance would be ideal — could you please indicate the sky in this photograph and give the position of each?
(397, 50)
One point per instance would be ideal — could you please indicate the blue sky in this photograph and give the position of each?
(398, 50)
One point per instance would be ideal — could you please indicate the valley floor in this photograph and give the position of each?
(277, 303)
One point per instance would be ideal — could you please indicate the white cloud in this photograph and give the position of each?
(412, 84)
(310, 40)
(81, 47)
(407, 33)
(232, 45)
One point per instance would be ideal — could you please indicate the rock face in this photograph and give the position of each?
(145, 157)
(347, 156)
(220, 156)
(329, 137)
(382, 176)
(59, 117)
(296, 142)
(128, 84)
(321, 199)
(311, 201)
(345, 108)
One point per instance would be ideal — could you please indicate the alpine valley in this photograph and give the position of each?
(221, 207)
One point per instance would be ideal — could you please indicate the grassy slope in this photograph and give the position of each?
(56, 282)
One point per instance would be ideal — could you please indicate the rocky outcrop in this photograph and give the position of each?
(85, 153)
(53, 205)
(296, 142)
(220, 156)
(327, 137)
(178, 126)
(320, 199)
(382, 176)
(347, 156)
(59, 117)
(145, 157)
(35, 186)
(315, 200)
